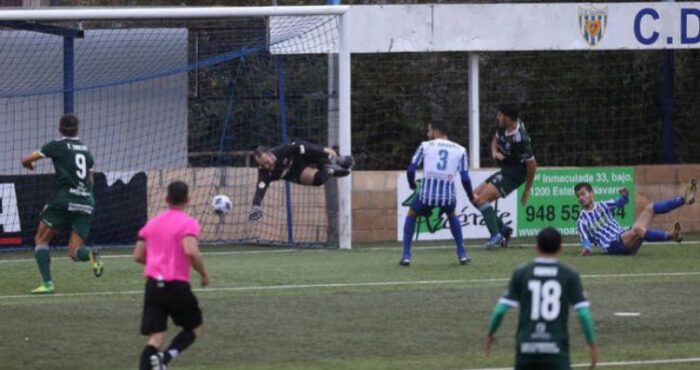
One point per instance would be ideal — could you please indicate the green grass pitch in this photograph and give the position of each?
(331, 309)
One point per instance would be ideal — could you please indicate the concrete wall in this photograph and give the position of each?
(374, 199)
(660, 182)
(373, 208)
(374, 205)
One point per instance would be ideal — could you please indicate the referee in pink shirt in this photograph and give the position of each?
(168, 247)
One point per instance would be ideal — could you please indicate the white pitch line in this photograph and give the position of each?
(120, 256)
(532, 245)
(619, 363)
(340, 285)
(628, 314)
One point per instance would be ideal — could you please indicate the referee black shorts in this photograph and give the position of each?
(169, 299)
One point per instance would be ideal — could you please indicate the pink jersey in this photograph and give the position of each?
(165, 255)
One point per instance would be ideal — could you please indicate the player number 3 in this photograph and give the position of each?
(443, 160)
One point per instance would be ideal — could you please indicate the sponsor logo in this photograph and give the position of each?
(436, 220)
(541, 332)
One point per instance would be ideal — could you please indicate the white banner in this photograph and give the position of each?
(9, 213)
(540, 26)
(435, 226)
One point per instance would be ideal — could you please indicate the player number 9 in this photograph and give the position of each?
(81, 164)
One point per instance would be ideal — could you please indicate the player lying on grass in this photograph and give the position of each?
(73, 203)
(441, 159)
(300, 162)
(544, 290)
(597, 226)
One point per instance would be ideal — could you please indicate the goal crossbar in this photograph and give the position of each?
(102, 13)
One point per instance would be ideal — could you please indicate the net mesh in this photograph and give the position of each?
(581, 108)
(171, 100)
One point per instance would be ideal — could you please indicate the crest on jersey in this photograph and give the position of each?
(592, 23)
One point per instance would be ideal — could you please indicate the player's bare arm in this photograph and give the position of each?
(331, 153)
(531, 169)
(140, 252)
(193, 253)
(495, 153)
(593, 355)
(490, 340)
(29, 162)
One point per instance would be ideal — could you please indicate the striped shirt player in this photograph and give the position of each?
(597, 225)
(442, 159)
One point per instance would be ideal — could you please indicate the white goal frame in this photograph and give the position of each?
(342, 12)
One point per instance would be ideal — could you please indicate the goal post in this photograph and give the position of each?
(186, 91)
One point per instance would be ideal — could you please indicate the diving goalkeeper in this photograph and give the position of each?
(300, 162)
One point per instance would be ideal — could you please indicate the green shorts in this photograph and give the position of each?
(557, 363)
(66, 212)
(542, 366)
(507, 181)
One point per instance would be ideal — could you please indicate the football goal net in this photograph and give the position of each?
(166, 94)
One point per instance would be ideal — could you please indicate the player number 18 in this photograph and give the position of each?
(545, 299)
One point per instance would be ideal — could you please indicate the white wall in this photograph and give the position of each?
(542, 26)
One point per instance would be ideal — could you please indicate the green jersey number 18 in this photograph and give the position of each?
(546, 302)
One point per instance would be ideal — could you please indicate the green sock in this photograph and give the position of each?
(500, 224)
(43, 260)
(490, 218)
(83, 254)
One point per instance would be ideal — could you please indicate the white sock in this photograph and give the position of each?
(173, 353)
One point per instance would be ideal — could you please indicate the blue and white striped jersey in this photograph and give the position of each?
(598, 225)
(442, 160)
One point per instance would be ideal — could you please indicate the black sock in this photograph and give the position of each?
(321, 176)
(148, 351)
(180, 343)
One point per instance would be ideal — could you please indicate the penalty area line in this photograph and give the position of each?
(120, 256)
(339, 285)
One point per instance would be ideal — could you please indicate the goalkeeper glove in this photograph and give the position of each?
(255, 214)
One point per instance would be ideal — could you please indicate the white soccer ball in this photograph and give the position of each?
(221, 204)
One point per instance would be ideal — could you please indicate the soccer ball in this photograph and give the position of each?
(221, 204)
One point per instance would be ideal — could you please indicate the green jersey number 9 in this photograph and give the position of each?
(81, 163)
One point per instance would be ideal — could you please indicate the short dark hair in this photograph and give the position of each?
(68, 125)
(549, 240)
(509, 110)
(260, 150)
(440, 125)
(583, 185)
(178, 193)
